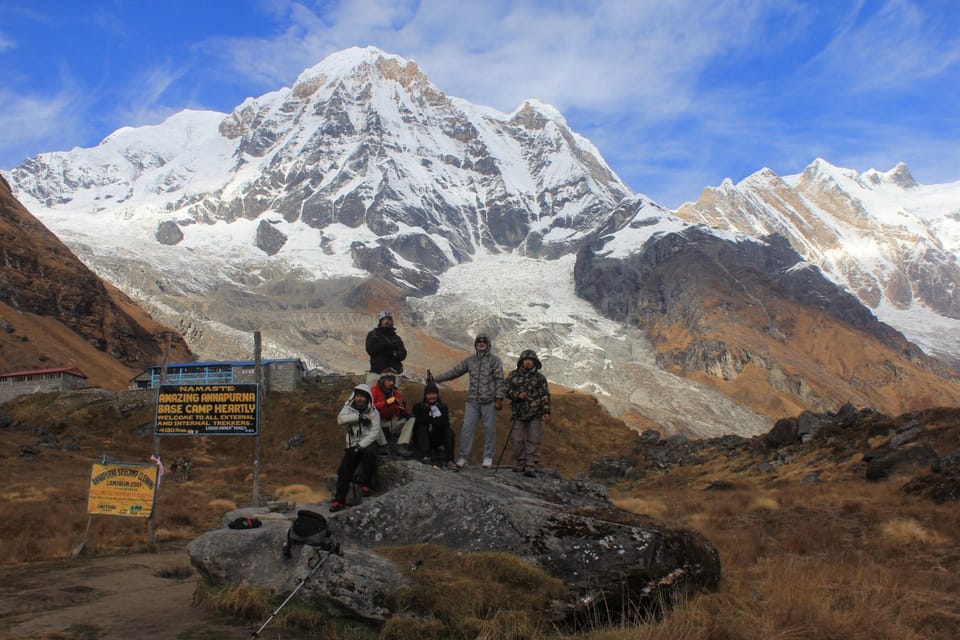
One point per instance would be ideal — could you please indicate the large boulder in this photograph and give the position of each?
(569, 528)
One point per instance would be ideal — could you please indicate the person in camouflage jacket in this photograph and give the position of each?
(529, 397)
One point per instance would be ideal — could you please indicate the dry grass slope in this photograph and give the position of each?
(836, 558)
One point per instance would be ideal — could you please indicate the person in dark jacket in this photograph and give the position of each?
(362, 421)
(431, 428)
(529, 397)
(385, 348)
(484, 398)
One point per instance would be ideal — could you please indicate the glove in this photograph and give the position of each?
(391, 400)
(434, 411)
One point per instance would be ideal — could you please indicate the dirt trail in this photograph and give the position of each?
(146, 596)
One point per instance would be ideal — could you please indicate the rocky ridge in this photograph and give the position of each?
(737, 312)
(919, 450)
(886, 239)
(363, 151)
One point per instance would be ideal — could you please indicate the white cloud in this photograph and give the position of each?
(677, 94)
(6, 43)
(25, 119)
(598, 55)
(891, 48)
(144, 98)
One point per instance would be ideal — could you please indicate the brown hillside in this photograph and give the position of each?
(66, 432)
(816, 539)
(57, 312)
(808, 362)
(755, 322)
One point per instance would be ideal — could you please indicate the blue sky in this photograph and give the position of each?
(676, 94)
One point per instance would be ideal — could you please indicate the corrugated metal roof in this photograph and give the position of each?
(232, 363)
(73, 371)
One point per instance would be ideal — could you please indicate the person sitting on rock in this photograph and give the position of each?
(431, 427)
(363, 426)
(396, 421)
(529, 398)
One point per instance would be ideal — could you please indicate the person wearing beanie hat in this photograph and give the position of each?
(394, 417)
(484, 398)
(385, 348)
(363, 425)
(431, 429)
(529, 397)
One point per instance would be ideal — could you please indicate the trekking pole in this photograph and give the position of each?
(513, 423)
(316, 567)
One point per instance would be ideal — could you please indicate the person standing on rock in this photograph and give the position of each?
(529, 397)
(484, 398)
(385, 348)
(363, 427)
(396, 421)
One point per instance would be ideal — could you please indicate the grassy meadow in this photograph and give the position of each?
(838, 557)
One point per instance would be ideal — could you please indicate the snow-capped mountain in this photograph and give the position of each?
(890, 241)
(749, 316)
(362, 159)
(274, 218)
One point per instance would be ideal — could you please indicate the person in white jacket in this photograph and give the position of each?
(362, 421)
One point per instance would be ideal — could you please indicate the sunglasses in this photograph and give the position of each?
(482, 342)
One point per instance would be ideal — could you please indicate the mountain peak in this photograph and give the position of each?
(343, 63)
(900, 175)
(359, 65)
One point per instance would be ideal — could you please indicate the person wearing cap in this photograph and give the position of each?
(363, 425)
(484, 398)
(529, 396)
(431, 429)
(385, 348)
(394, 417)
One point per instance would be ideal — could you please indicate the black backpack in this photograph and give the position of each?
(244, 523)
(309, 528)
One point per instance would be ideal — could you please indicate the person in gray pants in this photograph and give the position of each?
(484, 398)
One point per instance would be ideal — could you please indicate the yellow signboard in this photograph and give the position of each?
(207, 410)
(122, 489)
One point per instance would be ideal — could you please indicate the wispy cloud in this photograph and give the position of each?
(676, 94)
(596, 55)
(26, 119)
(890, 45)
(144, 99)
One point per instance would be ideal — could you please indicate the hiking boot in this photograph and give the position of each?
(404, 451)
(487, 463)
(461, 462)
(365, 491)
(530, 472)
(383, 450)
(452, 465)
(426, 460)
(336, 505)
(519, 467)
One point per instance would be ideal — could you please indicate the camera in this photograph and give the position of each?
(365, 421)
